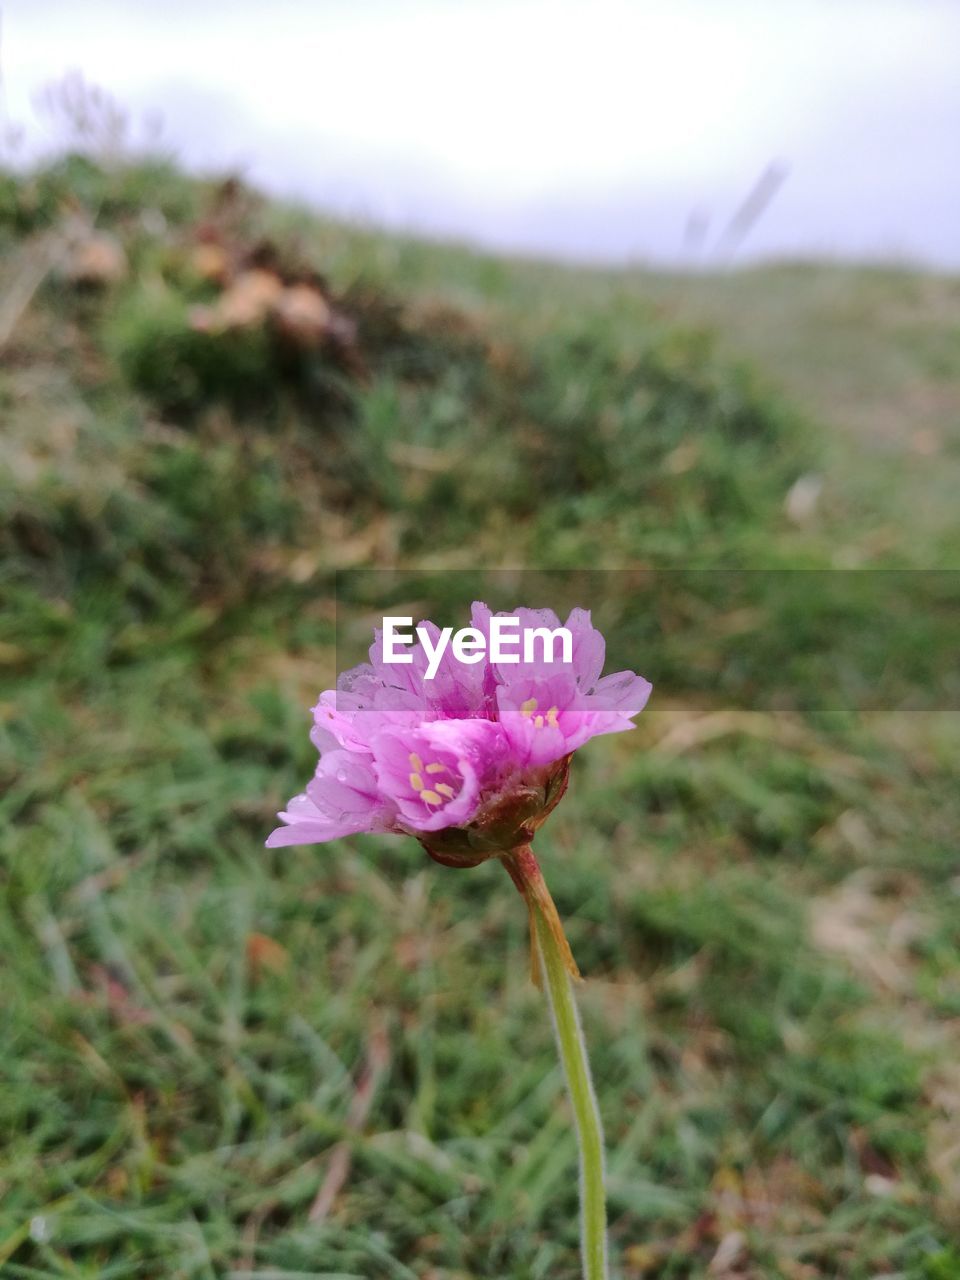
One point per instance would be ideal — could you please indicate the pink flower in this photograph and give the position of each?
(478, 753)
(436, 773)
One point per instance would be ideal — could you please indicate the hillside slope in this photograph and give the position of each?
(211, 406)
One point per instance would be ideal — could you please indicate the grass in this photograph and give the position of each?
(203, 1037)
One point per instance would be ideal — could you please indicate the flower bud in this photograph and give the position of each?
(507, 821)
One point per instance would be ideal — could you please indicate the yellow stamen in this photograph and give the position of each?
(552, 718)
(416, 782)
(415, 762)
(445, 789)
(529, 707)
(436, 767)
(431, 797)
(538, 722)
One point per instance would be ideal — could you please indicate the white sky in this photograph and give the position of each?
(589, 129)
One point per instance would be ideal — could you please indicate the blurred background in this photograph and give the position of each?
(615, 132)
(311, 310)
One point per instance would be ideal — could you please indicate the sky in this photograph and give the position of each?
(599, 130)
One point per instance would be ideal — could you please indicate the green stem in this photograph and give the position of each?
(559, 970)
(576, 1068)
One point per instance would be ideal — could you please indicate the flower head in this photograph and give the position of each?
(471, 760)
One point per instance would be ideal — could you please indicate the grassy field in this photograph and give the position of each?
(219, 1061)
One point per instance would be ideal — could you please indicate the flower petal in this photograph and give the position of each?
(342, 799)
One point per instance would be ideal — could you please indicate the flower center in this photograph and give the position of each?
(436, 790)
(528, 710)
